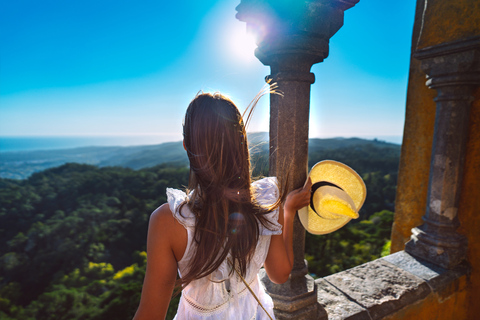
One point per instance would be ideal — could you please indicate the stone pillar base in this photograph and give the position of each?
(295, 299)
(447, 254)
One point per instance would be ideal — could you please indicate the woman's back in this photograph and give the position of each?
(222, 293)
(227, 221)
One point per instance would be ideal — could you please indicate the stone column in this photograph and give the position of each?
(292, 36)
(453, 69)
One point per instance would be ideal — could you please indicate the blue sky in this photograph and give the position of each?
(119, 68)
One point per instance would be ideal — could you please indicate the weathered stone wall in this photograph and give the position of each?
(470, 206)
(448, 20)
(444, 21)
(414, 166)
(440, 21)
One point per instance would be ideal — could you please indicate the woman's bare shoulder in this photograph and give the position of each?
(163, 223)
(162, 214)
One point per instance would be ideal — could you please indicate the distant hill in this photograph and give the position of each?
(21, 164)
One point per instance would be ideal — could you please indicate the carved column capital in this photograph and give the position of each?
(451, 64)
(300, 28)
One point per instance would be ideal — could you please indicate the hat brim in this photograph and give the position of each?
(346, 179)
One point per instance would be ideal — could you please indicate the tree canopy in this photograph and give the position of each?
(75, 235)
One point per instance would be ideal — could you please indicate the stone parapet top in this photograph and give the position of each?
(384, 286)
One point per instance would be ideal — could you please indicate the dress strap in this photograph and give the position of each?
(266, 193)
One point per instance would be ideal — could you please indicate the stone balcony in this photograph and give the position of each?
(398, 286)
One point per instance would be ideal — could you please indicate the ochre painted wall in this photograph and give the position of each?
(461, 19)
(412, 186)
(414, 167)
(449, 20)
(441, 21)
(469, 207)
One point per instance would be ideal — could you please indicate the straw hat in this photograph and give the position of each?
(338, 193)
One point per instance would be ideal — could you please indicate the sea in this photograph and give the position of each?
(68, 142)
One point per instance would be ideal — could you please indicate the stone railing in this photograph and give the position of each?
(398, 286)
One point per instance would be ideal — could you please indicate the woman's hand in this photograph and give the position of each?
(298, 198)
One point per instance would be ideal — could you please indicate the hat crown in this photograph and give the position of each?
(333, 203)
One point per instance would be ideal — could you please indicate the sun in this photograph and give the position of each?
(241, 44)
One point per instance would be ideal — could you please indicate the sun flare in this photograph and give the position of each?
(241, 44)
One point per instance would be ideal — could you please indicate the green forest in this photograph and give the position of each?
(74, 236)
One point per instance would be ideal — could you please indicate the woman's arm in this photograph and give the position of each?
(279, 261)
(164, 236)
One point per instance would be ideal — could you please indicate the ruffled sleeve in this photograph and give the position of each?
(175, 199)
(267, 193)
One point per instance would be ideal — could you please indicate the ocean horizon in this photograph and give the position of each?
(35, 143)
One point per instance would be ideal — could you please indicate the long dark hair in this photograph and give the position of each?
(222, 200)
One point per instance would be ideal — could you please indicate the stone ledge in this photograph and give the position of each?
(436, 277)
(380, 288)
(337, 304)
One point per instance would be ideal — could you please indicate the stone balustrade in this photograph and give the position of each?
(398, 286)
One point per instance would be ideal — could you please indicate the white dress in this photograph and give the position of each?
(226, 297)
